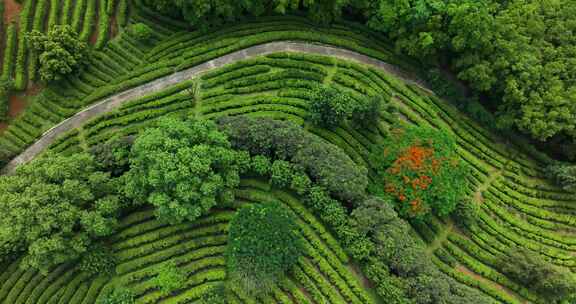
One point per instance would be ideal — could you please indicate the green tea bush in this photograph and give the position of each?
(141, 32)
(118, 295)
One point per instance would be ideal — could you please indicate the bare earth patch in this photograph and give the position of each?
(11, 11)
(113, 26)
(16, 105)
(93, 37)
(18, 102)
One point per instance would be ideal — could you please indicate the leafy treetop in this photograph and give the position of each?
(60, 51)
(183, 168)
(54, 207)
(263, 246)
(421, 172)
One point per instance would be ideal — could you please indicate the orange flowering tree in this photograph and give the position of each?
(419, 170)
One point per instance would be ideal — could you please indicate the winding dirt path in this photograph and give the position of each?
(115, 101)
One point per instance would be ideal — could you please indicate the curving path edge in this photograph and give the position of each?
(114, 101)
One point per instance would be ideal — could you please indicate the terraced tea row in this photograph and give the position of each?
(125, 64)
(91, 19)
(142, 243)
(518, 206)
(513, 211)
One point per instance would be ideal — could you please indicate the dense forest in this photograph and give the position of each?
(514, 55)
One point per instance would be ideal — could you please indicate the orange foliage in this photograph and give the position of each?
(415, 167)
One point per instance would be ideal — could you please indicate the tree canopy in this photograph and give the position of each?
(263, 246)
(420, 170)
(203, 13)
(530, 269)
(398, 251)
(54, 207)
(183, 168)
(60, 51)
(283, 140)
(519, 53)
(330, 107)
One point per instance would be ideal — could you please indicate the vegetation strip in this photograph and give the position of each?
(116, 100)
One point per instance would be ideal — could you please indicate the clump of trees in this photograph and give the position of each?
(530, 269)
(203, 14)
(327, 164)
(420, 171)
(183, 168)
(330, 107)
(60, 51)
(563, 175)
(53, 209)
(398, 263)
(517, 51)
(263, 245)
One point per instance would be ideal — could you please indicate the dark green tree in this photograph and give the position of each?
(367, 111)
(215, 295)
(323, 162)
(531, 270)
(183, 168)
(399, 252)
(113, 155)
(263, 245)
(563, 175)
(98, 260)
(329, 107)
(60, 51)
(54, 207)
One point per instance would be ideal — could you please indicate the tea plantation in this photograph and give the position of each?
(268, 68)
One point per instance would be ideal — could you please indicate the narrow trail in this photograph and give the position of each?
(110, 103)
